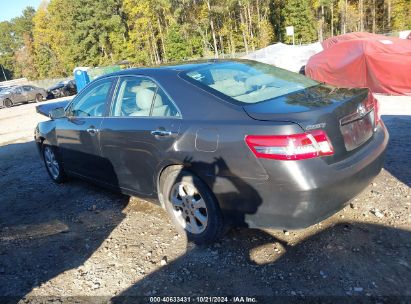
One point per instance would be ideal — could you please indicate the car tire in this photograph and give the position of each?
(39, 98)
(8, 103)
(53, 164)
(192, 207)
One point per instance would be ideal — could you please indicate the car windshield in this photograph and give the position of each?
(248, 81)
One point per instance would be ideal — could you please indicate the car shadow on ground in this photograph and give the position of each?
(346, 259)
(398, 157)
(46, 229)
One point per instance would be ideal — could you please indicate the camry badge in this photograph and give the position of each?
(316, 126)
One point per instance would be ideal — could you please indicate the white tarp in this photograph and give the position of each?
(289, 57)
(404, 34)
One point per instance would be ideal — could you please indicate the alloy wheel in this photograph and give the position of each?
(51, 163)
(8, 103)
(189, 207)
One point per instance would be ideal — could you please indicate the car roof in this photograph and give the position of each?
(176, 67)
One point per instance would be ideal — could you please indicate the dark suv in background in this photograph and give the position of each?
(62, 89)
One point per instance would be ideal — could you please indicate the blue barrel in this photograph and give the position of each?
(81, 77)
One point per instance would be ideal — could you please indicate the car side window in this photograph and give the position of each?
(164, 107)
(134, 97)
(27, 88)
(92, 102)
(18, 90)
(140, 96)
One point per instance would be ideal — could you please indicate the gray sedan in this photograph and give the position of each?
(21, 94)
(219, 143)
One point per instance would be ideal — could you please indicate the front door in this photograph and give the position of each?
(138, 134)
(78, 134)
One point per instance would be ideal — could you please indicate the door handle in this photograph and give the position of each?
(92, 130)
(161, 133)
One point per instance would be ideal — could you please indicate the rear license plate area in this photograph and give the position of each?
(357, 132)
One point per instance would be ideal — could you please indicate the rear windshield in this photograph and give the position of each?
(249, 81)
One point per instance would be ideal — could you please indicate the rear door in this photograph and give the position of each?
(29, 93)
(78, 133)
(19, 95)
(136, 137)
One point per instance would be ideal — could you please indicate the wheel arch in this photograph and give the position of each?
(162, 173)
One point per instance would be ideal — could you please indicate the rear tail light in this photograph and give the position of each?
(290, 147)
(377, 111)
(372, 103)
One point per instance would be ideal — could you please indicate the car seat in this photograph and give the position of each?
(144, 99)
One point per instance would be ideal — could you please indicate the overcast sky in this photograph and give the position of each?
(13, 8)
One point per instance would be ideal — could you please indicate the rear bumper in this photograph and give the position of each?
(301, 193)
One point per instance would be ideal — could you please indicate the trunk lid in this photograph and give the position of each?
(346, 115)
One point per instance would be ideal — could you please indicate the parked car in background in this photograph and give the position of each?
(21, 94)
(219, 143)
(62, 89)
(364, 60)
(3, 88)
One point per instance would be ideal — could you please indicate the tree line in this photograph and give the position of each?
(63, 34)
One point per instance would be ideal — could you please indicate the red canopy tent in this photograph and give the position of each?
(363, 60)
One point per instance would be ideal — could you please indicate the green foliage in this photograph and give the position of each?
(177, 47)
(63, 34)
(401, 13)
(299, 14)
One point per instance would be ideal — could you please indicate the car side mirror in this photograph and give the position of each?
(57, 113)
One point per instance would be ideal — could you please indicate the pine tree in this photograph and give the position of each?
(177, 48)
(299, 13)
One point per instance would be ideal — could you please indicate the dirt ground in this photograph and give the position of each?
(77, 239)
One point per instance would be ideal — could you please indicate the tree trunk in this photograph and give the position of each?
(154, 45)
(162, 40)
(345, 16)
(389, 15)
(243, 26)
(221, 45)
(361, 11)
(250, 27)
(332, 18)
(150, 50)
(321, 25)
(232, 44)
(342, 17)
(373, 17)
(212, 29)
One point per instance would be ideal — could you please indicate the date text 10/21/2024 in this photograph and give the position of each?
(203, 299)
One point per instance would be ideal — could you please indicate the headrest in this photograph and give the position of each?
(158, 102)
(144, 98)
